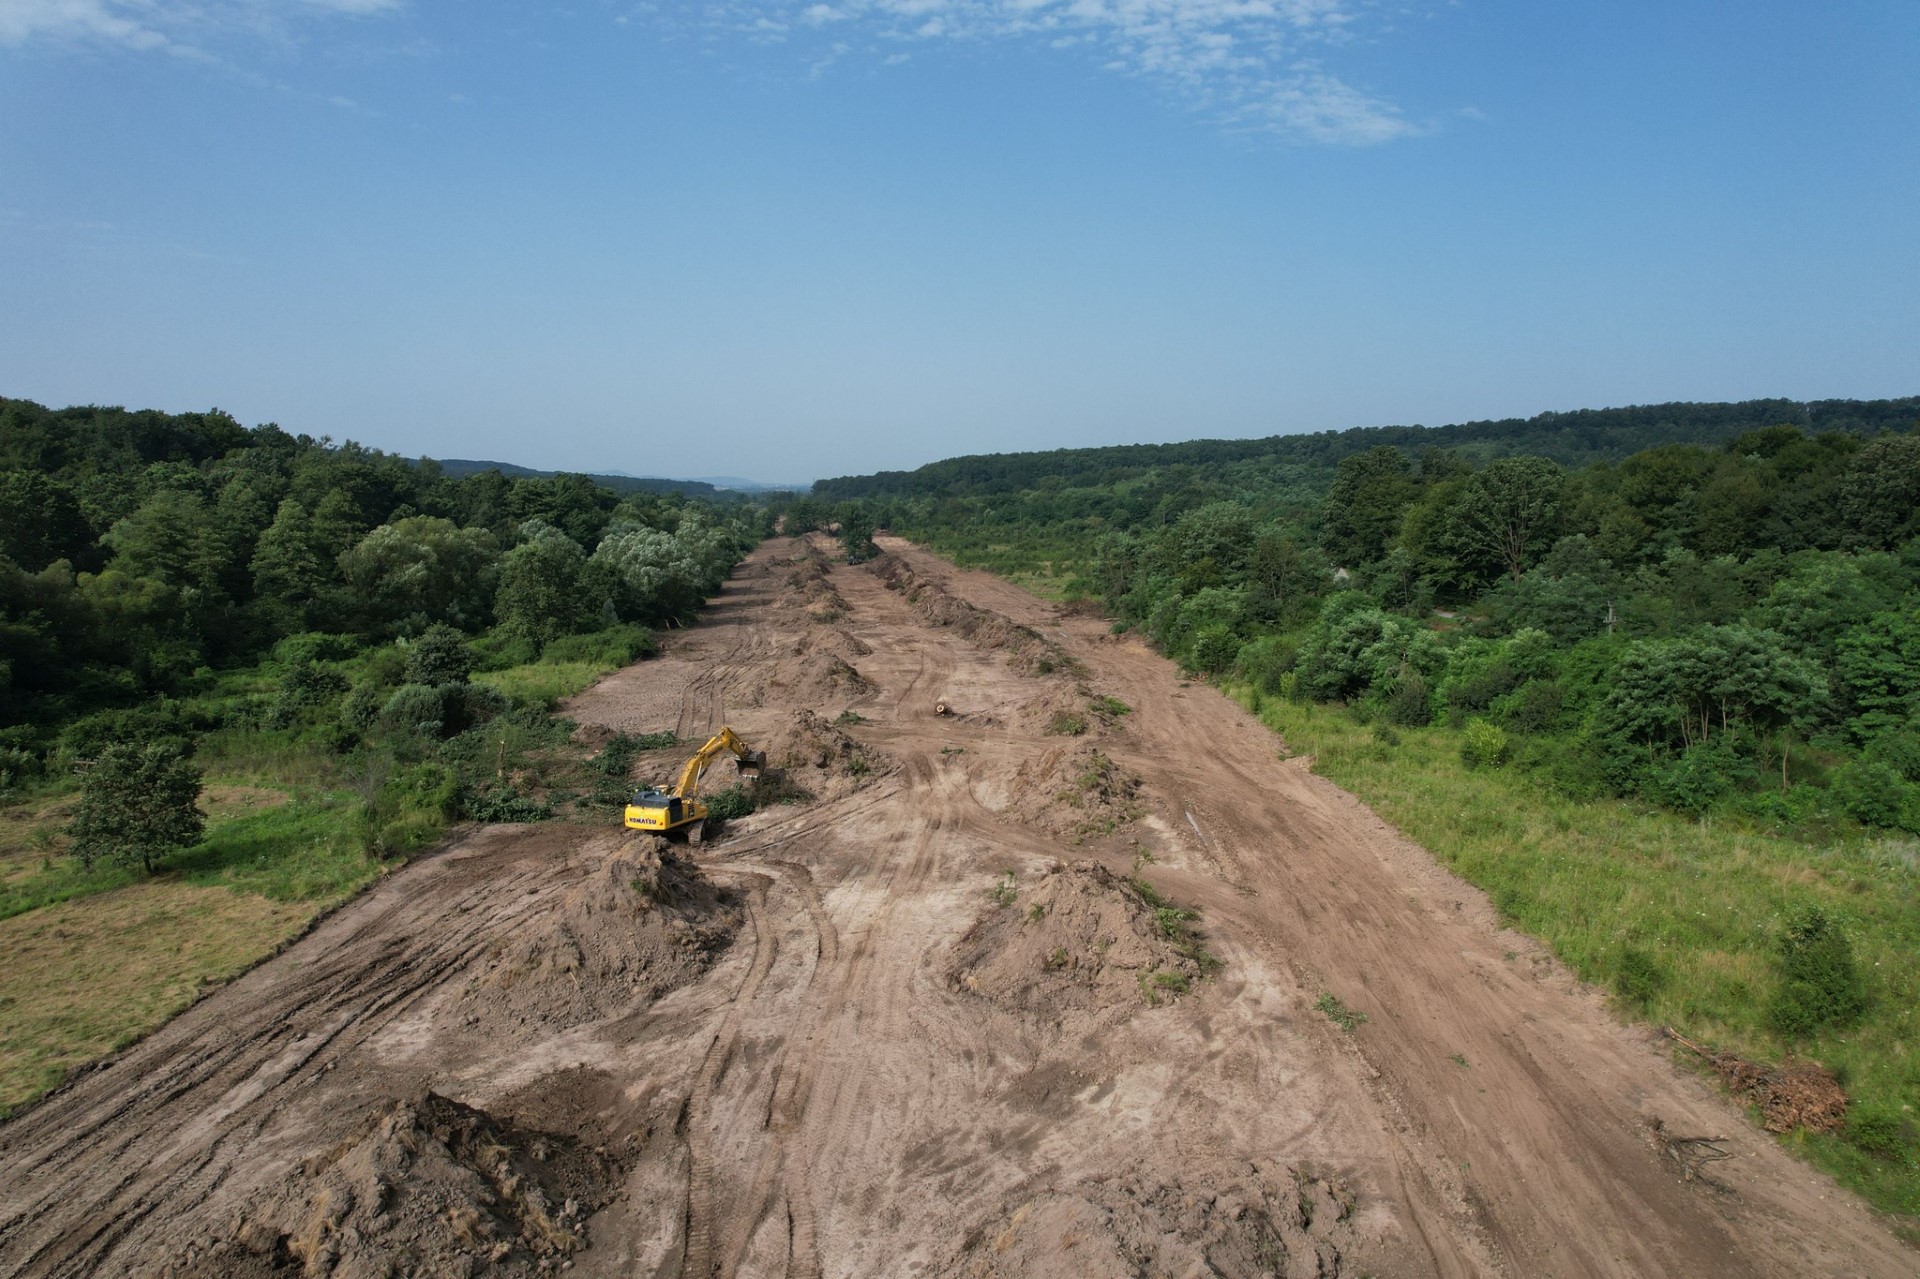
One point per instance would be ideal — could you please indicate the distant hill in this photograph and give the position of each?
(460, 467)
(1573, 439)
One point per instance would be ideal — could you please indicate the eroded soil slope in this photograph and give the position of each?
(1022, 988)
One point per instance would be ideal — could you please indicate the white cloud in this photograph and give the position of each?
(1253, 63)
(173, 25)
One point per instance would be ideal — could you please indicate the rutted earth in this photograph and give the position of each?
(985, 1000)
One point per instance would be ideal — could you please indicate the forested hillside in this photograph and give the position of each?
(180, 586)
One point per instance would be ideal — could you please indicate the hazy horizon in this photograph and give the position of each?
(795, 240)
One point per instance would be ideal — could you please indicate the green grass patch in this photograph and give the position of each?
(544, 683)
(1683, 920)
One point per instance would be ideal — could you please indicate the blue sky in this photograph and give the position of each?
(793, 239)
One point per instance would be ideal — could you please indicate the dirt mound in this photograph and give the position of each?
(1079, 943)
(1076, 792)
(1028, 651)
(1259, 1222)
(641, 923)
(822, 674)
(809, 587)
(429, 1187)
(817, 755)
(1795, 1094)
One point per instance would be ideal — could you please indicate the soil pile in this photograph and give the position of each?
(1077, 792)
(1028, 651)
(1080, 945)
(809, 587)
(429, 1187)
(1260, 1223)
(820, 758)
(641, 923)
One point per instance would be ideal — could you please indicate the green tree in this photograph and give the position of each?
(1370, 493)
(420, 570)
(1508, 510)
(137, 804)
(1880, 492)
(548, 588)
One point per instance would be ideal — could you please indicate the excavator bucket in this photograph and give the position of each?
(751, 763)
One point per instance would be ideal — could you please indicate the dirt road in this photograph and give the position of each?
(996, 1000)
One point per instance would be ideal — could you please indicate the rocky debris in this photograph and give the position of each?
(642, 922)
(1255, 1222)
(1028, 651)
(428, 1186)
(1078, 947)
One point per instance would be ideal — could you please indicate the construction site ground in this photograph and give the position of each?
(984, 996)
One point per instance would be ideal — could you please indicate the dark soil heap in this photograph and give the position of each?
(1256, 1223)
(428, 1187)
(1077, 948)
(640, 923)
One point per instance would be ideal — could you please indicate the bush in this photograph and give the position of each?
(1699, 778)
(1214, 648)
(416, 708)
(1873, 794)
(1534, 707)
(440, 656)
(1067, 723)
(1883, 1129)
(1483, 745)
(735, 801)
(504, 804)
(1898, 750)
(1639, 977)
(1820, 986)
(1410, 705)
(614, 646)
(315, 646)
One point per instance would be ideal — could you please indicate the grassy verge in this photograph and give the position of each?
(545, 683)
(97, 958)
(1682, 919)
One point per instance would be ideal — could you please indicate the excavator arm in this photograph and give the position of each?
(726, 741)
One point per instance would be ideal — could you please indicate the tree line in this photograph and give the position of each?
(1703, 625)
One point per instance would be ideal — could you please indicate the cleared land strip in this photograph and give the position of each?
(997, 998)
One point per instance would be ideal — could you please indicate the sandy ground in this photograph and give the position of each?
(923, 1024)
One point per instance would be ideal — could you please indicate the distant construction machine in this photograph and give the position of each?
(682, 809)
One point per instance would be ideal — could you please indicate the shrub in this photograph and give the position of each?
(416, 708)
(1820, 986)
(1067, 723)
(614, 646)
(1410, 705)
(734, 801)
(1534, 707)
(1483, 745)
(1873, 794)
(504, 804)
(1883, 1129)
(1898, 750)
(440, 656)
(315, 646)
(1699, 778)
(1214, 648)
(1639, 977)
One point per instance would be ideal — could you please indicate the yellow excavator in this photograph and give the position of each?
(682, 809)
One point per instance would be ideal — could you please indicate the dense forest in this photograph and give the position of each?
(1728, 621)
(179, 578)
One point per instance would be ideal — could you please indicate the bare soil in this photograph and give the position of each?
(995, 1001)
